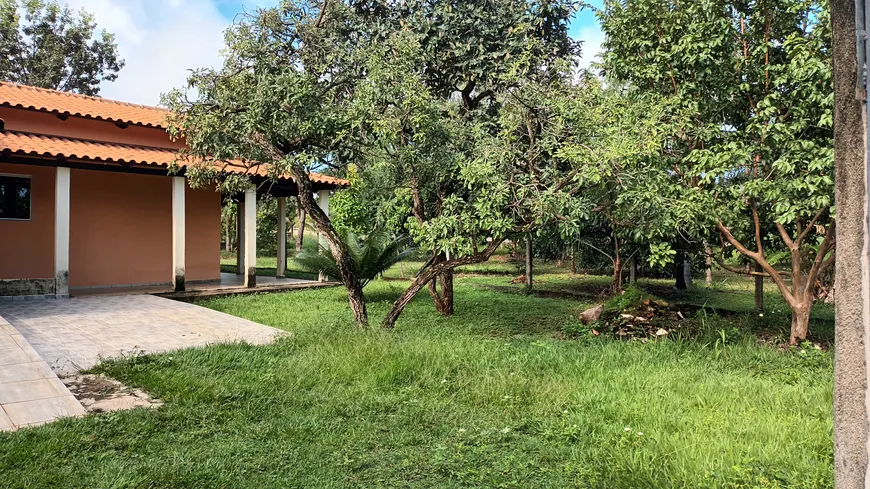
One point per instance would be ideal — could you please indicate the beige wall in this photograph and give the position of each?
(120, 223)
(203, 234)
(27, 247)
(121, 230)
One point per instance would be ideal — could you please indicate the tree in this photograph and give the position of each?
(279, 102)
(753, 80)
(54, 47)
(461, 57)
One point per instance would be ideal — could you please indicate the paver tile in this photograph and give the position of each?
(40, 411)
(12, 356)
(31, 390)
(73, 334)
(21, 372)
(5, 422)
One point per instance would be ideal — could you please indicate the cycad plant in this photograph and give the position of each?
(372, 255)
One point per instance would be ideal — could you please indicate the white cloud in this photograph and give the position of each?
(160, 40)
(592, 38)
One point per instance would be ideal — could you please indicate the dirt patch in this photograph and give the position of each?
(100, 394)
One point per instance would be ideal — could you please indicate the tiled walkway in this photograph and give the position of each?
(74, 334)
(30, 393)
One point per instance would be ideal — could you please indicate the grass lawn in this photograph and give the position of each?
(266, 267)
(491, 397)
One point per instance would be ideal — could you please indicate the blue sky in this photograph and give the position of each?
(161, 40)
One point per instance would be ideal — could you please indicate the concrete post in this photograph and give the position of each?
(61, 232)
(281, 269)
(250, 254)
(323, 203)
(178, 230)
(852, 281)
(240, 237)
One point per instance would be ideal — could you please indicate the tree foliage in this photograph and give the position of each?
(48, 45)
(372, 255)
(753, 150)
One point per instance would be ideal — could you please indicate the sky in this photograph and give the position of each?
(161, 40)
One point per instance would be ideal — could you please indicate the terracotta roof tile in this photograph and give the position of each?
(26, 144)
(65, 103)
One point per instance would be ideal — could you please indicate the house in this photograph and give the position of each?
(87, 200)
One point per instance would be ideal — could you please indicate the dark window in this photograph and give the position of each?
(14, 197)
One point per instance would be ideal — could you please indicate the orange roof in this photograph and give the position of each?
(66, 103)
(26, 144)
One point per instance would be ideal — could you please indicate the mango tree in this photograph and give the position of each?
(753, 81)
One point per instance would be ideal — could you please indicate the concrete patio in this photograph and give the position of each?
(41, 340)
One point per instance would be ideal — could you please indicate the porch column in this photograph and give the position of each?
(250, 237)
(178, 230)
(240, 237)
(323, 203)
(282, 238)
(61, 232)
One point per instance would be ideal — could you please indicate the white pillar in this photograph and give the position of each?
(240, 237)
(250, 253)
(61, 232)
(178, 230)
(282, 238)
(323, 203)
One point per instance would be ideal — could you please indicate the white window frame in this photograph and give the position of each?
(30, 196)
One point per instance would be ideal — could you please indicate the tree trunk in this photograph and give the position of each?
(300, 218)
(446, 280)
(679, 271)
(442, 300)
(529, 263)
(759, 289)
(687, 270)
(573, 262)
(800, 320)
(228, 233)
(429, 274)
(708, 266)
(632, 270)
(616, 282)
(344, 262)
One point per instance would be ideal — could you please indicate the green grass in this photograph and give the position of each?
(266, 267)
(488, 398)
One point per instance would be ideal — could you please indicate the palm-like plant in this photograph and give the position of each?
(371, 255)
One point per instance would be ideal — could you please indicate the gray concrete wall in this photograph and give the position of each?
(850, 396)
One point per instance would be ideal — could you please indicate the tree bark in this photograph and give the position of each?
(851, 420)
(687, 270)
(759, 288)
(632, 270)
(428, 274)
(799, 295)
(300, 218)
(443, 299)
(529, 263)
(708, 266)
(679, 271)
(343, 260)
(228, 233)
(800, 320)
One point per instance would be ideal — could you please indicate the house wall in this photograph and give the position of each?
(79, 128)
(27, 247)
(121, 230)
(202, 235)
